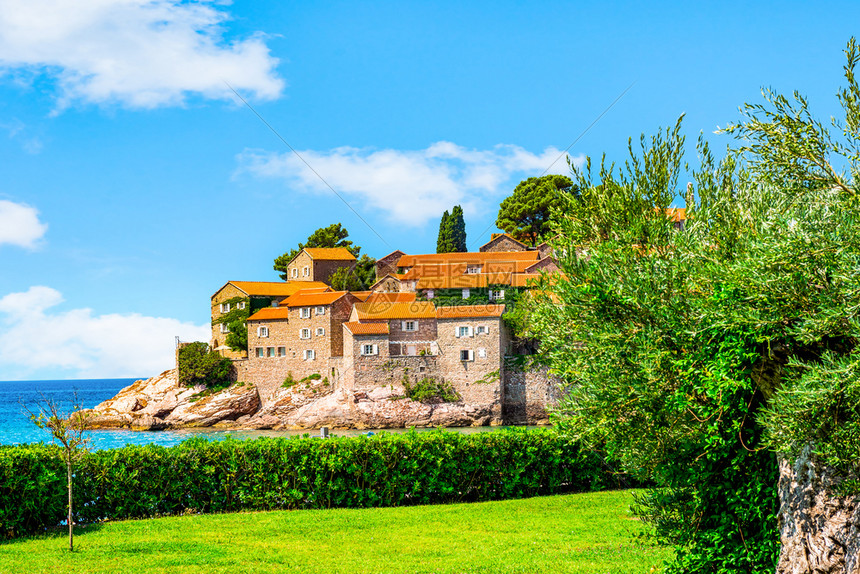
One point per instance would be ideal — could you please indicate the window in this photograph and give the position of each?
(369, 350)
(282, 351)
(270, 351)
(467, 355)
(310, 354)
(421, 368)
(225, 328)
(305, 334)
(463, 331)
(430, 293)
(240, 305)
(320, 310)
(320, 332)
(465, 293)
(473, 269)
(497, 295)
(225, 307)
(305, 312)
(262, 331)
(482, 330)
(306, 271)
(482, 353)
(294, 272)
(261, 352)
(410, 325)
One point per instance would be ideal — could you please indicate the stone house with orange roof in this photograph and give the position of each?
(319, 263)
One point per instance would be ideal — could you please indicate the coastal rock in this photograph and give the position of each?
(227, 405)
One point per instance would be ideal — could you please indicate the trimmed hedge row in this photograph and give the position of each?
(288, 473)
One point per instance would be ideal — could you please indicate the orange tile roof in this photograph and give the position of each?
(303, 299)
(401, 297)
(525, 279)
(270, 313)
(468, 257)
(272, 288)
(456, 269)
(675, 214)
(330, 253)
(385, 310)
(467, 311)
(361, 295)
(367, 328)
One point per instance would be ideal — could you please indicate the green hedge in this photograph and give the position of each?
(282, 473)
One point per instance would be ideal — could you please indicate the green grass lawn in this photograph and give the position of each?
(582, 533)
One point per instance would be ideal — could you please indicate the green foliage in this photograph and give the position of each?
(235, 319)
(198, 365)
(525, 215)
(289, 381)
(335, 235)
(359, 277)
(266, 474)
(428, 390)
(452, 232)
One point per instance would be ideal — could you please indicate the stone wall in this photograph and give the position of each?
(218, 341)
(388, 264)
(528, 394)
(502, 243)
(322, 270)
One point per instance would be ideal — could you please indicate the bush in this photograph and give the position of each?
(199, 366)
(429, 389)
(281, 473)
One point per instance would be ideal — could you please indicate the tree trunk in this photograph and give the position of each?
(71, 524)
(819, 531)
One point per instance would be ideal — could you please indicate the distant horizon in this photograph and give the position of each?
(74, 380)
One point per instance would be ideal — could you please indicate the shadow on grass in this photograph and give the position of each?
(55, 533)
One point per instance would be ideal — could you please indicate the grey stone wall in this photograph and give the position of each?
(528, 395)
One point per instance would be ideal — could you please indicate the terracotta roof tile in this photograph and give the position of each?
(269, 314)
(525, 279)
(330, 253)
(272, 288)
(401, 297)
(361, 295)
(367, 328)
(467, 311)
(386, 310)
(312, 299)
(468, 257)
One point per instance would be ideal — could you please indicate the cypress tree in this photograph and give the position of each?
(443, 243)
(458, 229)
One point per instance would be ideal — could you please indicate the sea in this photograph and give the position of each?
(20, 398)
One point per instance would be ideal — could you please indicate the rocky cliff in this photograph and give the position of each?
(161, 403)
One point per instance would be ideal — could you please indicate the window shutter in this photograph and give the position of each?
(471, 332)
(376, 349)
(402, 325)
(457, 332)
(471, 355)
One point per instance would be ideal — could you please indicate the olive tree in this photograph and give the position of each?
(722, 361)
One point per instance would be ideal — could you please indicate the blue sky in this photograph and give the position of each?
(133, 183)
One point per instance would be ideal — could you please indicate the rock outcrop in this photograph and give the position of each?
(160, 403)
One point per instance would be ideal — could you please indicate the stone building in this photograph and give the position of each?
(319, 263)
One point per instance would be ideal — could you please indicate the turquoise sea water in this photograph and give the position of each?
(17, 428)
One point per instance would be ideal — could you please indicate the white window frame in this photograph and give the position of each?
(463, 331)
(282, 351)
(482, 353)
(225, 307)
(482, 330)
(320, 310)
(305, 334)
(310, 355)
(404, 325)
(320, 331)
(262, 331)
(369, 349)
(240, 305)
(306, 271)
(473, 269)
(305, 312)
(466, 293)
(498, 295)
(294, 272)
(261, 352)
(225, 328)
(470, 355)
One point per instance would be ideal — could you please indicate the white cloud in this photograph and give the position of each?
(411, 187)
(35, 338)
(20, 225)
(143, 53)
